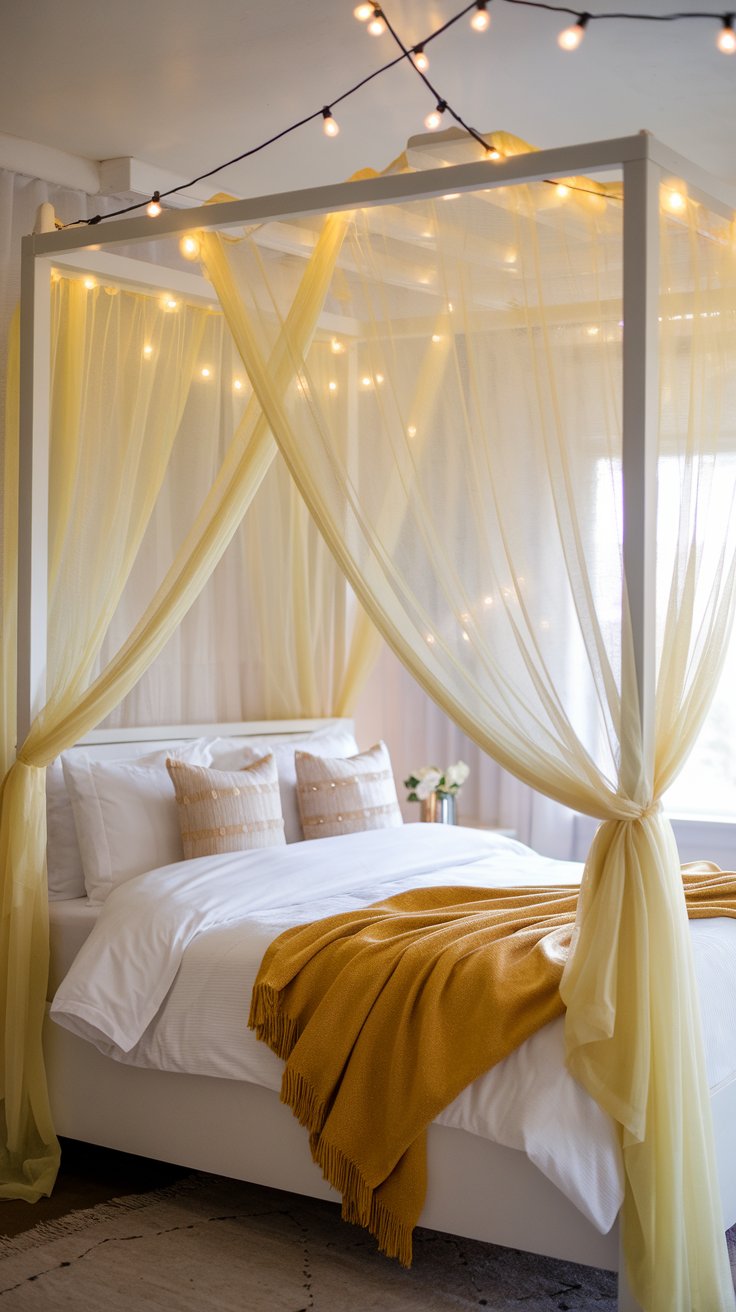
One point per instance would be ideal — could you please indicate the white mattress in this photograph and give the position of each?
(158, 985)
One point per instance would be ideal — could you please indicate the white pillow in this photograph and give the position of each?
(125, 815)
(63, 857)
(234, 753)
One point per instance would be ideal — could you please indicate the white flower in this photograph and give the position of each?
(455, 775)
(428, 781)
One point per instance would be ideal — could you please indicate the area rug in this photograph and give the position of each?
(208, 1244)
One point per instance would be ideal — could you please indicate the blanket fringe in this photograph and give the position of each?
(300, 1097)
(360, 1206)
(279, 1031)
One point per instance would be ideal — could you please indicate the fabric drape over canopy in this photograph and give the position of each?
(116, 490)
(475, 504)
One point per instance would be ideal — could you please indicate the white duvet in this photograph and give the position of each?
(165, 978)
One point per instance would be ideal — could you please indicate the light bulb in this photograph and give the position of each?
(189, 247)
(170, 303)
(420, 59)
(330, 126)
(492, 153)
(362, 12)
(148, 351)
(433, 120)
(436, 337)
(676, 202)
(153, 208)
(336, 346)
(377, 27)
(481, 20)
(379, 378)
(411, 431)
(332, 385)
(237, 385)
(562, 190)
(366, 381)
(726, 39)
(570, 38)
(206, 373)
(90, 283)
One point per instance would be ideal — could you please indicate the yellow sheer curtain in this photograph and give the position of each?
(483, 535)
(8, 678)
(29, 1153)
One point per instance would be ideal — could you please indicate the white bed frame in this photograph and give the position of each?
(477, 1189)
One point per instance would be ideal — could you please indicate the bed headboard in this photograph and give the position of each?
(116, 744)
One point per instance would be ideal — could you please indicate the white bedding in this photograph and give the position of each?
(164, 979)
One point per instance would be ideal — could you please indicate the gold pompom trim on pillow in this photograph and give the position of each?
(227, 810)
(339, 796)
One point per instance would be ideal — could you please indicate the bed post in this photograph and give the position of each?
(639, 478)
(639, 452)
(33, 485)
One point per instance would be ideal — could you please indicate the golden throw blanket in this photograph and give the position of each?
(384, 1015)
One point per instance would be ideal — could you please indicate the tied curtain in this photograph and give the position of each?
(474, 501)
(103, 495)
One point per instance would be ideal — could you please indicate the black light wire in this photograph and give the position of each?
(442, 104)
(406, 53)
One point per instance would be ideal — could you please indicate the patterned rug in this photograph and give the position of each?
(208, 1244)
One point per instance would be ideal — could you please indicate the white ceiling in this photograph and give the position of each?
(186, 84)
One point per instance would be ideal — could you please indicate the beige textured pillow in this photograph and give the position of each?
(227, 811)
(346, 796)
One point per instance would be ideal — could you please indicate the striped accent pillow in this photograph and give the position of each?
(227, 811)
(346, 796)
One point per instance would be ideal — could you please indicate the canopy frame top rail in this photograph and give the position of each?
(534, 166)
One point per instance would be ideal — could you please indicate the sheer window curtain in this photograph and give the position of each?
(493, 566)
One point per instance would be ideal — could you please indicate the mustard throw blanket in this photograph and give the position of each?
(384, 1015)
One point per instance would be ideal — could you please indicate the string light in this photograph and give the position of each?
(332, 385)
(492, 153)
(377, 23)
(570, 38)
(562, 190)
(330, 125)
(206, 373)
(189, 247)
(675, 202)
(726, 39)
(336, 346)
(153, 208)
(481, 20)
(147, 351)
(237, 385)
(90, 283)
(434, 118)
(170, 303)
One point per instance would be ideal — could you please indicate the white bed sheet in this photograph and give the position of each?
(165, 977)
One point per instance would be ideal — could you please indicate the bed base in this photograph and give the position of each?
(477, 1189)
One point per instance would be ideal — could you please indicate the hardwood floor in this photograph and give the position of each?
(88, 1175)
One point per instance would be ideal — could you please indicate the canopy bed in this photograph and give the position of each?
(476, 374)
